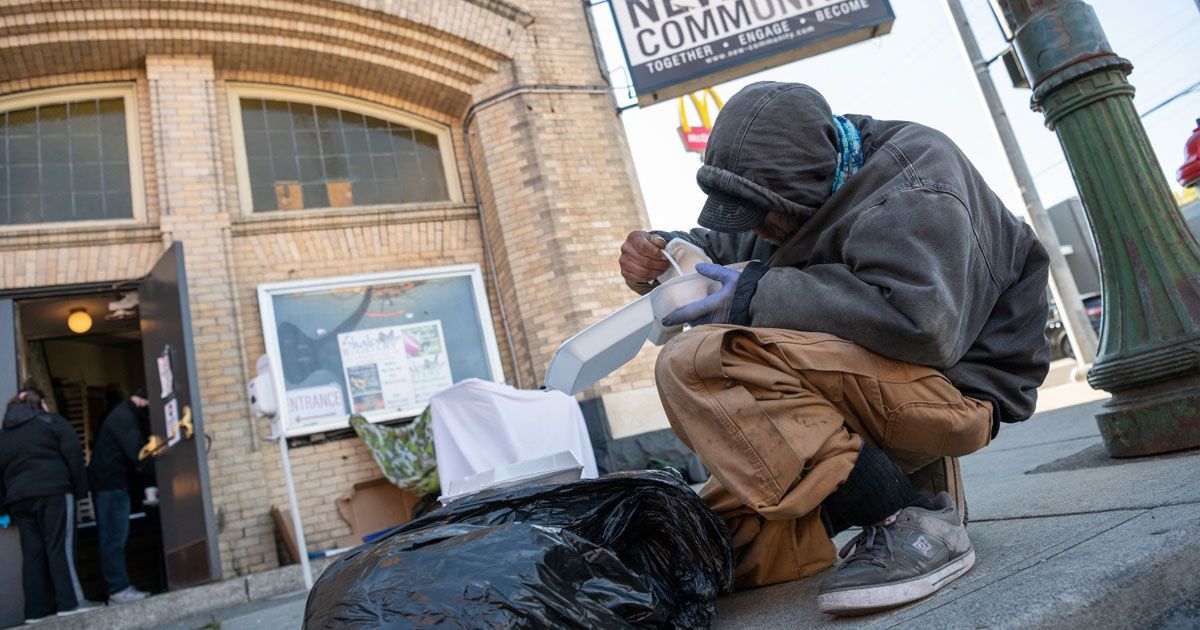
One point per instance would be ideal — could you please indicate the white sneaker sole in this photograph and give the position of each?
(861, 601)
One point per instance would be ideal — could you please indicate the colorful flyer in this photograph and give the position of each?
(395, 368)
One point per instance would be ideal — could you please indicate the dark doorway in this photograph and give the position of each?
(85, 375)
(138, 334)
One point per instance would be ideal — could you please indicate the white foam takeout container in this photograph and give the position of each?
(608, 344)
(559, 467)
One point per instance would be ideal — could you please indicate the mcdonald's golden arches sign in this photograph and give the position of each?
(695, 137)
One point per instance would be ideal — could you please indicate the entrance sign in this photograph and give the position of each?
(695, 137)
(379, 345)
(673, 47)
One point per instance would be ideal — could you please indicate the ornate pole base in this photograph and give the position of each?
(1152, 420)
(1149, 355)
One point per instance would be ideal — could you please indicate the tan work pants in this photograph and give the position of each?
(778, 415)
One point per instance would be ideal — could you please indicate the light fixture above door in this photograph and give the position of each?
(79, 321)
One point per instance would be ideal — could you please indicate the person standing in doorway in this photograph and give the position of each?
(41, 474)
(114, 463)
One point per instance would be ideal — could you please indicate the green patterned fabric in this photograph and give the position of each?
(404, 453)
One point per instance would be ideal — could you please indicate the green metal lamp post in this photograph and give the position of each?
(1149, 357)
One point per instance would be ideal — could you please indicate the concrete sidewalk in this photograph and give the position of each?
(1065, 536)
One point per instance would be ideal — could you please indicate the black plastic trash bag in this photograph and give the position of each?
(626, 550)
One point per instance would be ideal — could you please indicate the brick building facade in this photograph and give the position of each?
(540, 192)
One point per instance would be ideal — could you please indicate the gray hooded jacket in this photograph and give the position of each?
(914, 257)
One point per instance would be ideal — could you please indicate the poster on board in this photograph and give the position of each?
(394, 367)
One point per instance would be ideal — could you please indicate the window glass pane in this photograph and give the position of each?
(85, 147)
(89, 206)
(337, 167)
(307, 144)
(23, 150)
(54, 149)
(85, 177)
(264, 198)
(65, 162)
(299, 154)
(256, 145)
(83, 114)
(23, 122)
(252, 115)
(260, 172)
(328, 119)
(302, 116)
(52, 120)
(114, 202)
(116, 177)
(275, 114)
(315, 196)
(114, 147)
(24, 180)
(431, 155)
(331, 143)
(56, 178)
(26, 209)
(311, 171)
(386, 166)
(57, 207)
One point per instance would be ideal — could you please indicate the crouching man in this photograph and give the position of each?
(894, 317)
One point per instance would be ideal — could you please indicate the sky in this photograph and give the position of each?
(920, 72)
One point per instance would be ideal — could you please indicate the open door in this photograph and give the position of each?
(12, 596)
(188, 528)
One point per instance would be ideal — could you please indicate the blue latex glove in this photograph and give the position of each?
(5, 521)
(713, 309)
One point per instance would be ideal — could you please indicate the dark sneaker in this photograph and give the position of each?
(909, 556)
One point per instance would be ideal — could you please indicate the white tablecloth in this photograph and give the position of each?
(479, 425)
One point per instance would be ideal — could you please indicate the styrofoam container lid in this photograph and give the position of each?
(561, 466)
(674, 294)
(601, 348)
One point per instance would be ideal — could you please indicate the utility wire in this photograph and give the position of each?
(1188, 90)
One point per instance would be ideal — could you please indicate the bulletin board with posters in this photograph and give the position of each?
(378, 345)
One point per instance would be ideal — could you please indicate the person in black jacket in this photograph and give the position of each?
(114, 463)
(882, 312)
(41, 473)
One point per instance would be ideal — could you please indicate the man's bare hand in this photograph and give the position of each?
(642, 258)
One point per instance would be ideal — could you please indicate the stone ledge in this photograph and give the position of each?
(44, 237)
(305, 221)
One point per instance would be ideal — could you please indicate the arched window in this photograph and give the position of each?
(302, 150)
(65, 155)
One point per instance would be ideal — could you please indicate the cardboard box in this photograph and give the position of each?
(283, 523)
(288, 196)
(369, 507)
(372, 506)
(341, 193)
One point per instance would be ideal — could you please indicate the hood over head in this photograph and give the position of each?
(18, 414)
(773, 148)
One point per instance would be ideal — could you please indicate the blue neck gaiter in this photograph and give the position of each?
(849, 151)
